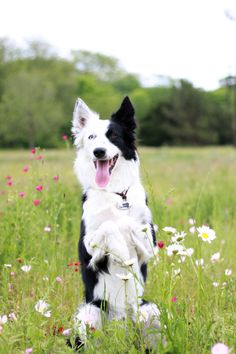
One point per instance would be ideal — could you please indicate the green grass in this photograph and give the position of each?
(181, 183)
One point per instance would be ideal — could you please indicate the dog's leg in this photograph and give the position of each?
(106, 240)
(148, 316)
(87, 318)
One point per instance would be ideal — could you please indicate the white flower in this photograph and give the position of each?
(42, 308)
(199, 262)
(125, 277)
(176, 272)
(169, 230)
(12, 316)
(192, 229)
(67, 332)
(45, 278)
(47, 229)
(7, 265)
(206, 234)
(215, 257)
(191, 221)
(174, 249)
(220, 348)
(228, 272)
(58, 279)
(26, 268)
(178, 236)
(215, 284)
(129, 262)
(3, 319)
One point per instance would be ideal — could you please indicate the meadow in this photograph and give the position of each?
(40, 211)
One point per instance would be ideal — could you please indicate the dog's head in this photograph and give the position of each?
(105, 144)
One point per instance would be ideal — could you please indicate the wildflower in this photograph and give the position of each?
(191, 221)
(7, 265)
(215, 257)
(58, 279)
(64, 137)
(228, 272)
(9, 178)
(169, 230)
(36, 202)
(76, 269)
(12, 316)
(178, 236)
(12, 274)
(9, 183)
(56, 178)
(28, 350)
(124, 277)
(33, 151)
(220, 348)
(206, 234)
(3, 319)
(215, 284)
(42, 307)
(22, 194)
(129, 262)
(39, 157)
(25, 169)
(169, 201)
(199, 262)
(224, 284)
(174, 249)
(176, 272)
(47, 229)
(45, 278)
(66, 332)
(174, 299)
(160, 244)
(192, 229)
(39, 188)
(26, 268)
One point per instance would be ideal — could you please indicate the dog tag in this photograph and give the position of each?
(124, 205)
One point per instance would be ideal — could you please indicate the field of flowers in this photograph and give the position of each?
(192, 194)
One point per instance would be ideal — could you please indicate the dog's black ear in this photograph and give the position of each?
(125, 115)
(81, 115)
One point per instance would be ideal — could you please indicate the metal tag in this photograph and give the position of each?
(123, 205)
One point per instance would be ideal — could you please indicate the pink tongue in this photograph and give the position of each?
(102, 173)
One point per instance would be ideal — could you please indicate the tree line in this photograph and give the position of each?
(38, 90)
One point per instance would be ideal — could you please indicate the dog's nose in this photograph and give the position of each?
(99, 153)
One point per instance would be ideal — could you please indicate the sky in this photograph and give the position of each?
(190, 39)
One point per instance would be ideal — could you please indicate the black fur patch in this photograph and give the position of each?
(121, 130)
(143, 270)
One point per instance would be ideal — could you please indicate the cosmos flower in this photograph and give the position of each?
(33, 151)
(160, 244)
(36, 202)
(64, 137)
(206, 234)
(220, 348)
(42, 307)
(26, 268)
(28, 350)
(25, 169)
(22, 194)
(56, 178)
(58, 279)
(169, 230)
(39, 188)
(9, 183)
(215, 257)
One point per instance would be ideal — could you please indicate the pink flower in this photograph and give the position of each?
(39, 157)
(33, 151)
(220, 348)
(160, 244)
(25, 169)
(13, 274)
(58, 279)
(22, 194)
(174, 299)
(36, 202)
(39, 188)
(56, 178)
(10, 183)
(28, 350)
(9, 178)
(64, 137)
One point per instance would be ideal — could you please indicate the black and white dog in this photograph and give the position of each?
(117, 236)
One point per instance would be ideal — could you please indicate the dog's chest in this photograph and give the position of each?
(101, 206)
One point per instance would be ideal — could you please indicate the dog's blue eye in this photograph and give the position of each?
(91, 137)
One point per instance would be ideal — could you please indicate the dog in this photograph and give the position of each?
(117, 237)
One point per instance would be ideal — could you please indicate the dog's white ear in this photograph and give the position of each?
(81, 115)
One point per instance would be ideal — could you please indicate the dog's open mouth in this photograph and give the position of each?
(103, 170)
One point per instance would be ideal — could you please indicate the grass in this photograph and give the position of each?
(181, 183)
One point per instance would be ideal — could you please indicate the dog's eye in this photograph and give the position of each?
(113, 136)
(91, 136)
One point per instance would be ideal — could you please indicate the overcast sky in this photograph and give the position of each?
(191, 39)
